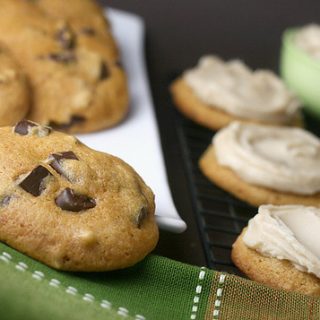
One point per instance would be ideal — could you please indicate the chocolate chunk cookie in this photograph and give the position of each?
(14, 89)
(69, 206)
(69, 55)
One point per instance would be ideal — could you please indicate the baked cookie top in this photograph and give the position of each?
(280, 158)
(237, 90)
(69, 206)
(14, 89)
(71, 61)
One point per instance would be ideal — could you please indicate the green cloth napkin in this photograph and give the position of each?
(157, 288)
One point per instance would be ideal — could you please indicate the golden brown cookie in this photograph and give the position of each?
(71, 61)
(69, 206)
(226, 179)
(280, 274)
(14, 90)
(213, 118)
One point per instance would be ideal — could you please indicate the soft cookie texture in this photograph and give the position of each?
(226, 179)
(14, 89)
(71, 60)
(69, 206)
(276, 273)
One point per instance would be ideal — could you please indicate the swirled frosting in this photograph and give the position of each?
(308, 39)
(280, 158)
(236, 89)
(287, 232)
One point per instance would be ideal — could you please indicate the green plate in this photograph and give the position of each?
(301, 72)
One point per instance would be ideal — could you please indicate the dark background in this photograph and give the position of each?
(178, 32)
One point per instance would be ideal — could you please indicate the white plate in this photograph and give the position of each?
(136, 140)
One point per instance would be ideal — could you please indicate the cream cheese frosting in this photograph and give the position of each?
(280, 158)
(308, 39)
(236, 89)
(287, 232)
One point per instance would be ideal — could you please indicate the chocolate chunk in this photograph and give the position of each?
(23, 126)
(65, 126)
(34, 181)
(104, 71)
(88, 31)
(71, 201)
(119, 64)
(143, 213)
(62, 57)
(26, 127)
(64, 155)
(57, 159)
(4, 201)
(66, 38)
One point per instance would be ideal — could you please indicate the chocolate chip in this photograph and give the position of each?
(57, 159)
(119, 64)
(141, 216)
(23, 126)
(65, 126)
(88, 31)
(34, 182)
(64, 155)
(104, 71)
(4, 201)
(62, 57)
(66, 38)
(71, 201)
(26, 127)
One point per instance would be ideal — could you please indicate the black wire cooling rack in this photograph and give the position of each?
(220, 216)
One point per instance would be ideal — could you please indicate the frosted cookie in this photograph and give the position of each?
(14, 90)
(263, 164)
(308, 39)
(280, 248)
(215, 93)
(71, 61)
(69, 206)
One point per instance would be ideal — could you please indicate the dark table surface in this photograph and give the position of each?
(177, 34)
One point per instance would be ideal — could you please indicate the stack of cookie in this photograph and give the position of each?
(263, 157)
(62, 203)
(59, 65)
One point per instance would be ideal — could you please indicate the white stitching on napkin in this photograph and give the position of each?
(54, 283)
(88, 297)
(21, 266)
(219, 293)
(196, 298)
(7, 255)
(38, 275)
(123, 312)
(72, 290)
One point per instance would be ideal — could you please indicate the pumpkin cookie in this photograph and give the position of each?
(71, 61)
(261, 164)
(69, 206)
(14, 90)
(276, 250)
(215, 93)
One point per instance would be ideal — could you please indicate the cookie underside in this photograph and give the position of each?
(280, 274)
(226, 179)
